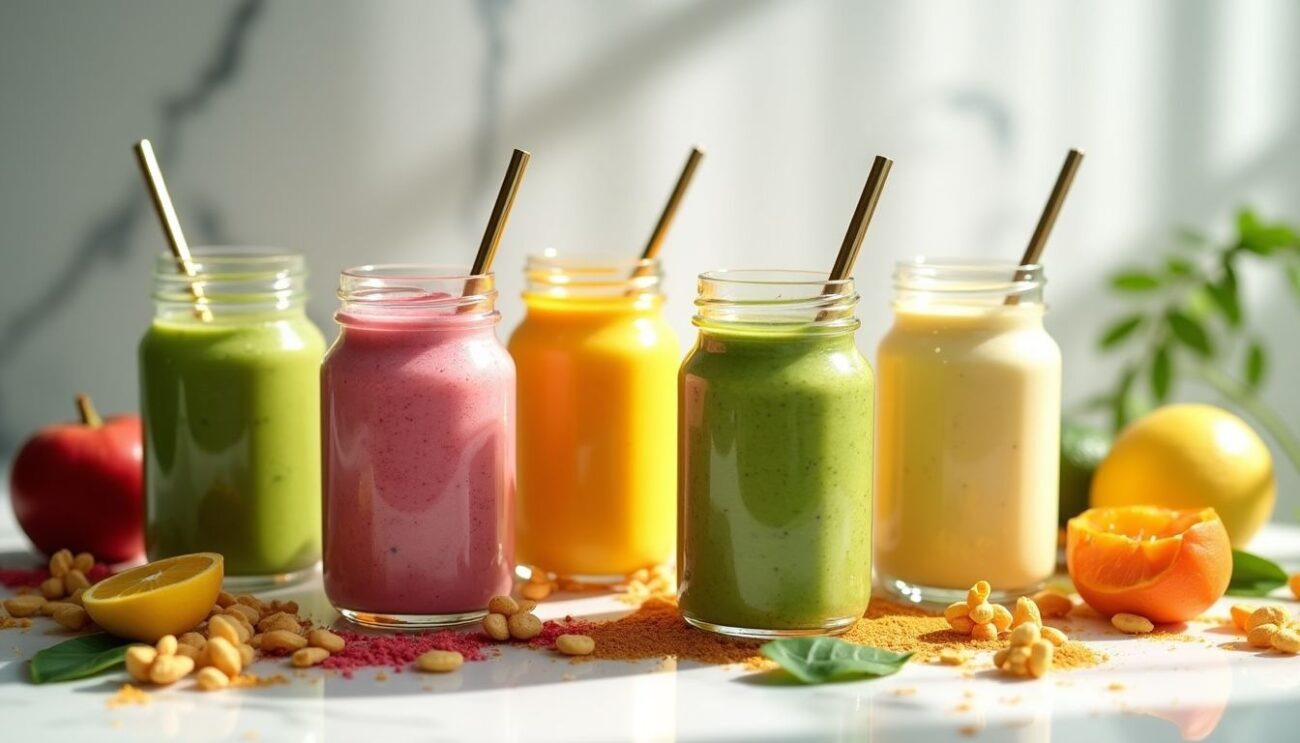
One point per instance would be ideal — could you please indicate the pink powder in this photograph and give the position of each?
(399, 651)
(551, 630)
(33, 577)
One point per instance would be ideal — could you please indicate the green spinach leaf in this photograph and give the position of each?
(1253, 575)
(817, 660)
(78, 658)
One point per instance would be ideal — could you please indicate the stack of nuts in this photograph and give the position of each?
(1268, 627)
(221, 647)
(1030, 653)
(647, 582)
(976, 616)
(60, 594)
(509, 619)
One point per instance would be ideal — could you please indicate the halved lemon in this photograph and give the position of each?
(167, 597)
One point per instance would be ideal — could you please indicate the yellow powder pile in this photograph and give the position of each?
(126, 695)
(11, 623)
(656, 630)
(253, 681)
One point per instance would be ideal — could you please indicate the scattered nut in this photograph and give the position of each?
(279, 639)
(191, 652)
(1001, 618)
(1040, 658)
(503, 605)
(52, 588)
(524, 626)
(60, 563)
(139, 659)
(1241, 615)
(962, 624)
(575, 644)
(535, 591)
(1272, 614)
(166, 645)
(246, 654)
(73, 580)
(984, 631)
(72, 617)
(1287, 640)
(49, 607)
(439, 661)
(1026, 611)
(1052, 603)
(1054, 636)
(323, 638)
(308, 657)
(222, 655)
(1294, 585)
(1261, 636)
(168, 669)
(1025, 634)
(193, 639)
(211, 679)
(249, 614)
(281, 621)
(497, 627)
(224, 599)
(1132, 624)
(223, 626)
(953, 657)
(83, 562)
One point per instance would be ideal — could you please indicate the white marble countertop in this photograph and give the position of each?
(1149, 690)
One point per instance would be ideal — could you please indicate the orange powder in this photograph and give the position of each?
(656, 630)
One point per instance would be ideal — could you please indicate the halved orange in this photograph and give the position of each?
(166, 597)
(1165, 565)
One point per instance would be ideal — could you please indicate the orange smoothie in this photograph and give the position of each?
(597, 395)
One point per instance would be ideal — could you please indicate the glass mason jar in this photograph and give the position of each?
(597, 423)
(418, 408)
(969, 431)
(230, 404)
(775, 444)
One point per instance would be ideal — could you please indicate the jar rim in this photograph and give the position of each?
(776, 277)
(583, 260)
(413, 272)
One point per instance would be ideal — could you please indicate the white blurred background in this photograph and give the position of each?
(377, 131)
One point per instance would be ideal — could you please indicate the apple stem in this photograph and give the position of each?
(89, 415)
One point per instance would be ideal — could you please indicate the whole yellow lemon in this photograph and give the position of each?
(1191, 456)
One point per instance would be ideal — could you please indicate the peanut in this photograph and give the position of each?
(193, 639)
(288, 607)
(1054, 636)
(249, 614)
(246, 654)
(223, 656)
(168, 669)
(1052, 603)
(524, 626)
(1261, 635)
(1268, 615)
(49, 607)
(503, 605)
(978, 594)
(955, 610)
(251, 602)
(962, 624)
(191, 652)
(25, 605)
(1000, 657)
(439, 661)
(1001, 618)
(223, 626)
(52, 588)
(75, 598)
(84, 561)
(166, 645)
(60, 563)
(575, 644)
(139, 658)
(224, 599)
(1025, 634)
(1294, 585)
(1026, 611)
(1287, 640)
(73, 580)
(256, 640)
(526, 604)
(1241, 615)
(985, 631)
(952, 657)
(1017, 661)
(1040, 658)
(535, 591)
(283, 640)
(1132, 624)
(497, 627)
(72, 617)
(211, 679)
(323, 638)
(308, 657)
(279, 620)
(982, 613)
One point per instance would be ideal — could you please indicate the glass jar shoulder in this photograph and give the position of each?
(815, 362)
(254, 341)
(617, 329)
(945, 339)
(451, 354)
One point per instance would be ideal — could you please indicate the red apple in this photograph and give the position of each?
(80, 486)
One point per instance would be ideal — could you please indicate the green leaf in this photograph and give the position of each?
(1256, 364)
(1191, 237)
(1225, 294)
(1135, 281)
(1293, 276)
(1253, 575)
(77, 658)
(1179, 268)
(1123, 401)
(1120, 330)
(1162, 374)
(1260, 238)
(1190, 332)
(816, 660)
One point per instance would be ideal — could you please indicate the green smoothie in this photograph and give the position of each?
(232, 439)
(775, 480)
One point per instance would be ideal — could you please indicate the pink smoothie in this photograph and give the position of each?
(418, 418)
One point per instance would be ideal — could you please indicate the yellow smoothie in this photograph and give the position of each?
(968, 434)
(597, 400)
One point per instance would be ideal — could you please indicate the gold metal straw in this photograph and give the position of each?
(852, 244)
(496, 225)
(674, 201)
(1038, 241)
(171, 224)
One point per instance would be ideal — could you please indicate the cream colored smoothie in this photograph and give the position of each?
(968, 434)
